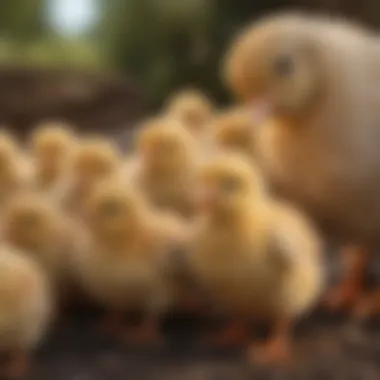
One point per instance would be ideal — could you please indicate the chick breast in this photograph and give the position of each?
(25, 301)
(123, 280)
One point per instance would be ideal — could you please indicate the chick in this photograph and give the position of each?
(168, 156)
(15, 173)
(257, 258)
(235, 130)
(34, 224)
(52, 145)
(192, 108)
(124, 264)
(94, 159)
(311, 82)
(25, 309)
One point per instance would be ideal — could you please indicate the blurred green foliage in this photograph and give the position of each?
(169, 44)
(164, 45)
(26, 38)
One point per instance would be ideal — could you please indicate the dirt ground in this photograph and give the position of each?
(326, 348)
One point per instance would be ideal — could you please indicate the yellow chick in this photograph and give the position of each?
(52, 145)
(25, 310)
(192, 108)
(234, 130)
(316, 79)
(255, 257)
(34, 224)
(15, 173)
(94, 160)
(124, 265)
(168, 156)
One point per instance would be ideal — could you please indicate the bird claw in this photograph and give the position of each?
(276, 351)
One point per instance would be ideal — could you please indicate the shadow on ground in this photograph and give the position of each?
(325, 348)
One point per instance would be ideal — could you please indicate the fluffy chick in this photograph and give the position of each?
(25, 309)
(94, 159)
(317, 79)
(192, 108)
(168, 155)
(125, 262)
(34, 224)
(15, 173)
(51, 147)
(255, 257)
(234, 130)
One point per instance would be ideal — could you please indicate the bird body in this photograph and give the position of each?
(320, 147)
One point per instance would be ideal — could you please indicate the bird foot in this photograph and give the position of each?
(275, 351)
(342, 297)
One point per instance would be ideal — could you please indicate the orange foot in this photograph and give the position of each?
(346, 294)
(343, 296)
(18, 366)
(235, 334)
(112, 324)
(275, 351)
(148, 332)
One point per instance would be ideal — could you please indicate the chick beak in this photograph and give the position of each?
(205, 198)
(261, 110)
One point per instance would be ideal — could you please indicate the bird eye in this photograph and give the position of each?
(229, 185)
(284, 65)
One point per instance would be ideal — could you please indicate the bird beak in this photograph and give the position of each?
(261, 110)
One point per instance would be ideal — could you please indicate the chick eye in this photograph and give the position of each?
(229, 185)
(284, 65)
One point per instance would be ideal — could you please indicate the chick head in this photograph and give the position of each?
(30, 220)
(113, 210)
(94, 160)
(275, 67)
(192, 108)
(226, 183)
(51, 142)
(234, 130)
(165, 146)
(51, 145)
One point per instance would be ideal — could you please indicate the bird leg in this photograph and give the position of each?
(148, 331)
(18, 366)
(347, 293)
(234, 334)
(276, 350)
